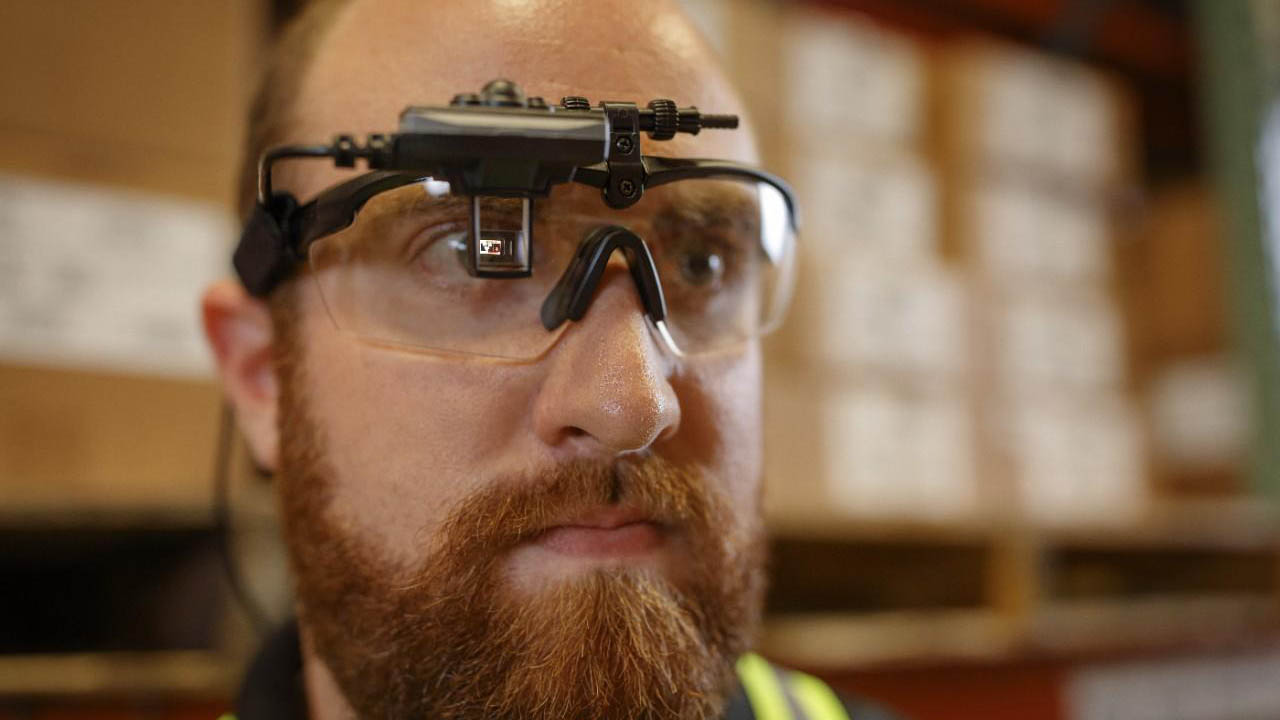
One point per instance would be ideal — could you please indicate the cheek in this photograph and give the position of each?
(720, 423)
(406, 436)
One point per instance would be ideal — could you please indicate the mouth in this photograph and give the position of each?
(611, 533)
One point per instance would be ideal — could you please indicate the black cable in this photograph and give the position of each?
(258, 618)
(280, 153)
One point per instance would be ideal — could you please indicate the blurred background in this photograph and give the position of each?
(1023, 424)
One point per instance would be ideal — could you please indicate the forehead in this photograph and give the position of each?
(382, 55)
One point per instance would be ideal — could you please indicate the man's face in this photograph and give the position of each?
(461, 528)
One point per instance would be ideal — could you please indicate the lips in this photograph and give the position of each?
(615, 532)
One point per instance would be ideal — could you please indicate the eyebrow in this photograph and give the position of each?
(375, 219)
(665, 201)
(711, 207)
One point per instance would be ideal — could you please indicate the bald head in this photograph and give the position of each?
(378, 56)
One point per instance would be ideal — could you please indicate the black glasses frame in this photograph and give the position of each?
(279, 234)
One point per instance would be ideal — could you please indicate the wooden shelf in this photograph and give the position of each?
(1223, 620)
(837, 640)
(1058, 630)
(186, 674)
(92, 516)
(1188, 575)
(1176, 524)
(1209, 524)
(837, 528)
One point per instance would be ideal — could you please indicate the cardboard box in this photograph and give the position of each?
(1006, 109)
(1020, 232)
(1175, 269)
(859, 314)
(872, 448)
(1198, 411)
(1075, 459)
(78, 444)
(1055, 340)
(845, 79)
(148, 94)
(872, 201)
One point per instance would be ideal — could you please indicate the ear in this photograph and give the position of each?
(238, 328)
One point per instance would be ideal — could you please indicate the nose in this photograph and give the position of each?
(608, 388)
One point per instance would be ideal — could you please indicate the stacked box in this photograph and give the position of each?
(868, 409)
(1036, 150)
(117, 186)
(1013, 110)
(873, 448)
(1196, 390)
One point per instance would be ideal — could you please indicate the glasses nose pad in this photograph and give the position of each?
(575, 289)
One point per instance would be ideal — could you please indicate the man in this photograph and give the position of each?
(493, 521)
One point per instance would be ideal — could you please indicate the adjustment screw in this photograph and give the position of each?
(379, 148)
(627, 188)
(502, 93)
(623, 144)
(536, 102)
(575, 102)
(465, 99)
(344, 151)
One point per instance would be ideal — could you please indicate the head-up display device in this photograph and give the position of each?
(483, 227)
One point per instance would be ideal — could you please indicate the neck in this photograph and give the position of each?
(325, 700)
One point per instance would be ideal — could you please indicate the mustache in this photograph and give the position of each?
(515, 510)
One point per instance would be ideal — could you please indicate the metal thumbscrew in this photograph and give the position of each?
(627, 188)
(623, 145)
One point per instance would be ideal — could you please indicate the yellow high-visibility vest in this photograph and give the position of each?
(778, 694)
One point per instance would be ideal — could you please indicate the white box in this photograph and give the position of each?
(794, 461)
(847, 79)
(864, 312)
(882, 203)
(1056, 340)
(1199, 410)
(1046, 113)
(1077, 460)
(98, 277)
(890, 453)
(1022, 233)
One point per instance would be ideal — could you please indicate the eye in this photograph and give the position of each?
(457, 242)
(445, 255)
(700, 265)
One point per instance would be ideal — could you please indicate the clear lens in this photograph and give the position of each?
(725, 254)
(398, 274)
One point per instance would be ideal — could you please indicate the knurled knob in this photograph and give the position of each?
(690, 120)
(575, 102)
(666, 119)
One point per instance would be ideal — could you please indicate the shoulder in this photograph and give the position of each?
(771, 692)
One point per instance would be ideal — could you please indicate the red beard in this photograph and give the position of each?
(452, 639)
